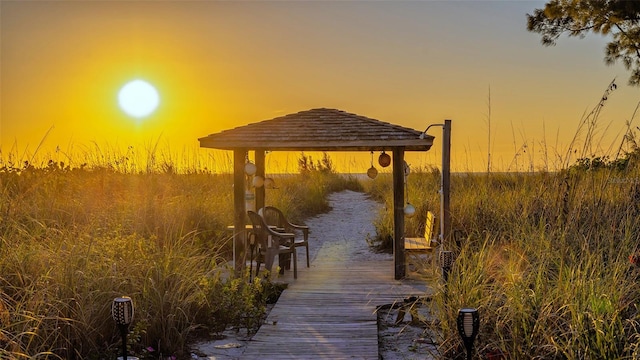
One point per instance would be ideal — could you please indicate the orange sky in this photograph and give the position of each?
(218, 65)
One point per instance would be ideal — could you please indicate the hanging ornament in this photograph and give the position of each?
(384, 159)
(250, 168)
(372, 172)
(258, 181)
(409, 210)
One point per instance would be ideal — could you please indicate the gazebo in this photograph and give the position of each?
(319, 130)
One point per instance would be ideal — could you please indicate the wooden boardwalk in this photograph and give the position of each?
(329, 311)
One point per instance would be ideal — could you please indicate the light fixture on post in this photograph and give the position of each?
(122, 313)
(445, 179)
(372, 172)
(468, 326)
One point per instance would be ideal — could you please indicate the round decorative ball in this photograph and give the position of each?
(409, 210)
(250, 168)
(258, 181)
(372, 172)
(384, 159)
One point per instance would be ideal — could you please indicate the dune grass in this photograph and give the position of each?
(73, 239)
(544, 258)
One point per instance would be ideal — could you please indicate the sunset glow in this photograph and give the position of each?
(219, 65)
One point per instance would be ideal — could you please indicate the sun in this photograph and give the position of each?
(138, 98)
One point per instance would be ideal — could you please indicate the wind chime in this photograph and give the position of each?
(249, 197)
(254, 181)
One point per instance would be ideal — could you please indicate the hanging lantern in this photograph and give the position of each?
(269, 183)
(409, 210)
(384, 159)
(250, 168)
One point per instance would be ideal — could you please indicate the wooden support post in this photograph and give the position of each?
(398, 213)
(259, 154)
(239, 214)
(445, 224)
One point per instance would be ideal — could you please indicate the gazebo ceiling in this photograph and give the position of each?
(319, 130)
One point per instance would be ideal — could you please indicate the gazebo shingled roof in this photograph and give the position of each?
(319, 130)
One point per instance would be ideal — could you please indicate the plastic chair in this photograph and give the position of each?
(275, 217)
(272, 243)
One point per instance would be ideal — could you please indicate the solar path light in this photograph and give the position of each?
(446, 261)
(122, 313)
(468, 326)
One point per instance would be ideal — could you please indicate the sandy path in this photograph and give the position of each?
(342, 232)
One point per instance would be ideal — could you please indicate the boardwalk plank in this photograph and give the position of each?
(329, 312)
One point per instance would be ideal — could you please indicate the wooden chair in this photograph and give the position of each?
(272, 243)
(275, 217)
(426, 244)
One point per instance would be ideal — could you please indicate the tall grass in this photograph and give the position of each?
(545, 259)
(74, 238)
